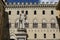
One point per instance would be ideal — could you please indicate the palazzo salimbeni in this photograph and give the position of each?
(32, 19)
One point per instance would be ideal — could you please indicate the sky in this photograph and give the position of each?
(49, 0)
(37, 1)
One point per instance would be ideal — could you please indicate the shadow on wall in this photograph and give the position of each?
(58, 20)
(6, 34)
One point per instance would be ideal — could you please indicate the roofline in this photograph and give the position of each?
(29, 6)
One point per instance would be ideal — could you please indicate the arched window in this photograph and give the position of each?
(26, 12)
(43, 12)
(35, 12)
(35, 35)
(26, 24)
(9, 12)
(52, 12)
(17, 12)
(53, 25)
(35, 24)
(44, 24)
(54, 35)
(44, 35)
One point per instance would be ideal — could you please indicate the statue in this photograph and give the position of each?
(22, 21)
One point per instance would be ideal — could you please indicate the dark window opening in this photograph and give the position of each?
(43, 12)
(35, 35)
(34, 12)
(53, 35)
(17, 12)
(9, 12)
(26, 12)
(52, 12)
(44, 35)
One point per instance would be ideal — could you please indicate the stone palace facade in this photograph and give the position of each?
(32, 20)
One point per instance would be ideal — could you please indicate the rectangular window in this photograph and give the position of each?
(53, 25)
(52, 12)
(35, 35)
(43, 12)
(35, 25)
(17, 12)
(53, 35)
(26, 12)
(44, 25)
(26, 25)
(9, 12)
(44, 35)
(34, 12)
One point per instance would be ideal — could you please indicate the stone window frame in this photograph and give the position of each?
(35, 23)
(44, 23)
(26, 24)
(53, 23)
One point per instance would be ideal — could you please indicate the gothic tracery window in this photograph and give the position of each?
(35, 24)
(26, 24)
(53, 24)
(44, 24)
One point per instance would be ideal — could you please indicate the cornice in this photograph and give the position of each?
(30, 6)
